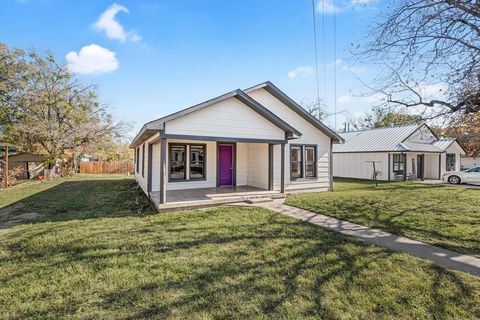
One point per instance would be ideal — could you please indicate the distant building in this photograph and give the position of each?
(30, 165)
(399, 153)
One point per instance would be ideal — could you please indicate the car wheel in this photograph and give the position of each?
(454, 180)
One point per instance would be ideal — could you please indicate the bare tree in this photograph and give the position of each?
(315, 108)
(425, 44)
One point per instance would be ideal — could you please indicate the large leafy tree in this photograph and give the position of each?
(380, 117)
(13, 76)
(424, 44)
(466, 128)
(53, 113)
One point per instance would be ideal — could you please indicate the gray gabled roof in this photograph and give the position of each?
(280, 95)
(154, 126)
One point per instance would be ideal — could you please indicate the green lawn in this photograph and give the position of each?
(448, 217)
(105, 258)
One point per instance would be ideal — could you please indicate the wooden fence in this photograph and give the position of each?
(106, 167)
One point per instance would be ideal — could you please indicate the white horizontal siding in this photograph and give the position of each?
(469, 162)
(310, 135)
(359, 166)
(229, 118)
(242, 164)
(258, 165)
(142, 179)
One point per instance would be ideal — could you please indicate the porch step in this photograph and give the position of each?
(259, 200)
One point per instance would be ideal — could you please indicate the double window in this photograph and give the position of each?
(450, 162)
(186, 161)
(399, 163)
(303, 161)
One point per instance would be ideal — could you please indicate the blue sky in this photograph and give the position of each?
(151, 58)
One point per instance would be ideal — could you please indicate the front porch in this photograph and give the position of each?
(414, 166)
(202, 197)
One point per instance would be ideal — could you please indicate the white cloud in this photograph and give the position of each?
(112, 27)
(92, 59)
(435, 89)
(330, 6)
(327, 6)
(344, 99)
(354, 69)
(377, 97)
(300, 72)
(355, 2)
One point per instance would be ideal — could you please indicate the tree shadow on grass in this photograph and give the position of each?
(71, 200)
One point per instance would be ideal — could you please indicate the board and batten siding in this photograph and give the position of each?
(229, 118)
(359, 166)
(310, 135)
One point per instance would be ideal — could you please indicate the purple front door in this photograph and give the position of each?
(225, 165)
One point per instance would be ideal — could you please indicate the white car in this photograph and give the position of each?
(471, 175)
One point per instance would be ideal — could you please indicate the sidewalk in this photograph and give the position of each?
(442, 257)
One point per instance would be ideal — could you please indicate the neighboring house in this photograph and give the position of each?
(30, 165)
(85, 158)
(470, 162)
(399, 153)
(245, 143)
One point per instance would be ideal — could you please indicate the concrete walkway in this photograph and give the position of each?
(443, 257)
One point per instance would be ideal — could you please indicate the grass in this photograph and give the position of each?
(228, 262)
(448, 217)
(82, 196)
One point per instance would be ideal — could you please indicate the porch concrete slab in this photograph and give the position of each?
(440, 256)
(202, 197)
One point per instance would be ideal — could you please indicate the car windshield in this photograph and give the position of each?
(476, 169)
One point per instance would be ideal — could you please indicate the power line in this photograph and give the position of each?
(335, 59)
(316, 51)
(324, 53)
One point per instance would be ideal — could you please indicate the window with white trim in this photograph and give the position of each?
(186, 162)
(303, 161)
(450, 162)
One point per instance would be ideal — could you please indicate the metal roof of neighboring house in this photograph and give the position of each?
(391, 139)
(375, 140)
(421, 147)
(444, 143)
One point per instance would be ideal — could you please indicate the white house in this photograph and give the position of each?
(399, 153)
(470, 162)
(245, 144)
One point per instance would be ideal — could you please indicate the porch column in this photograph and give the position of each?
(270, 167)
(282, 170)
(163, 170)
